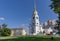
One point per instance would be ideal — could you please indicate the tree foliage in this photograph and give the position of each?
(4, 30)
(4, 25)
(55, 5)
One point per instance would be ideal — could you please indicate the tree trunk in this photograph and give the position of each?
(59, 23)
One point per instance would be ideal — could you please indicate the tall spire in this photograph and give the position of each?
(35, 25)
(34, 5)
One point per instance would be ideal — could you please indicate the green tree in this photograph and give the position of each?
(0, 30)
(5, 31)
(55, 6)
(4, 25)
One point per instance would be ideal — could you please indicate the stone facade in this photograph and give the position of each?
(49, 26)
(18, 31)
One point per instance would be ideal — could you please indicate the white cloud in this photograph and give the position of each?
(1, 18)
(29, 19)
(24, 25)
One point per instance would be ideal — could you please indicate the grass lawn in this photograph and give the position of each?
(33, 38)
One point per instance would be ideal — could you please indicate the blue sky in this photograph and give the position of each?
(18, 13)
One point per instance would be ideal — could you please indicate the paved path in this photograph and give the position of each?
(7, 37)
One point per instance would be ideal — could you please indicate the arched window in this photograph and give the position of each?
(37, 23)
(33, 17)
(36, 17)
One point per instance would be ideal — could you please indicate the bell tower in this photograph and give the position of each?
(35, 24)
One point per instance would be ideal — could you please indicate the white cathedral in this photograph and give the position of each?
(36, 28)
